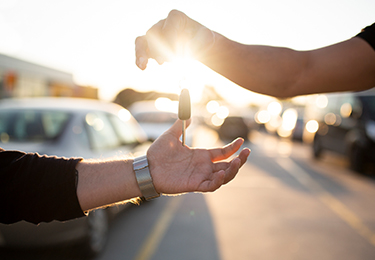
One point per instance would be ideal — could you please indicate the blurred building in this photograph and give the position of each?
(19, 78)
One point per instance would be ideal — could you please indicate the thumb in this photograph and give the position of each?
(176, 128)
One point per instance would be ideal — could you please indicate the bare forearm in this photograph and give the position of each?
(105, 182)
(263, 69)
(275, 71)
(284, 72)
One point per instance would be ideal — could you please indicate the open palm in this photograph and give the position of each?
(177, 169)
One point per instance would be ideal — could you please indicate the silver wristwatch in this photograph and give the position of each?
(142, 173)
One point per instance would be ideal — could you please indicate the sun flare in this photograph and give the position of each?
(181, 73)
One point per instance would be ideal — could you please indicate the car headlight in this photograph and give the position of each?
(370, 129)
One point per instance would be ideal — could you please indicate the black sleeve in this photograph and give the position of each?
(368, 34)
(37, 188)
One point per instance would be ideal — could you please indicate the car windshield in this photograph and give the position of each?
(369, 105)
(31, 125)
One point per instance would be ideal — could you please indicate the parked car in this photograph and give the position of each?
(155, 121)
(346, 126)
(297, 132)
(71, 128)
(292, 123)
(233, 127)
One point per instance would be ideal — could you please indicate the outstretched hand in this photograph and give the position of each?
(178, 169)
(172, 37)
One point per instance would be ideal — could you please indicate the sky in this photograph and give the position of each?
(94, 39)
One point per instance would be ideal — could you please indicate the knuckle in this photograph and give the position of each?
(174, 13)
(155, 28)
(138, 40)
(176, 17)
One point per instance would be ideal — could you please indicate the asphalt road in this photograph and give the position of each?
(282, 205)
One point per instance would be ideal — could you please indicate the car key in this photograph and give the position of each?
(184, 110)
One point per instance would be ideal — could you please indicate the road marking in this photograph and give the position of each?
(153, 240)
(330, 201)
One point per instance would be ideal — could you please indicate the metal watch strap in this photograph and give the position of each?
(142, 173)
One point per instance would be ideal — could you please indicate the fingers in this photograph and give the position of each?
(157, 47)
(218, 154)
(235, 165)
(231, 168)
(172, 30)
(244, 154)
(165, 39)
(151, 45)
(224, 172)
(141, 55)
(214, 183)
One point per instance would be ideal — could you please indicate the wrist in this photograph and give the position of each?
(144, 178)
(202, 43)
(210, 47)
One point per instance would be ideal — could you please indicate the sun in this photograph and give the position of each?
(176, 75)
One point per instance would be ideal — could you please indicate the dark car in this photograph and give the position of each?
(346, 126)
(71, 128)
(233, 127)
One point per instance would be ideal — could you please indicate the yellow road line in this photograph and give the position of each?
(153, 240)
(330, 201)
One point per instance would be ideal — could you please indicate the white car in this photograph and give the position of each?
(155, 121)
(67, 127)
